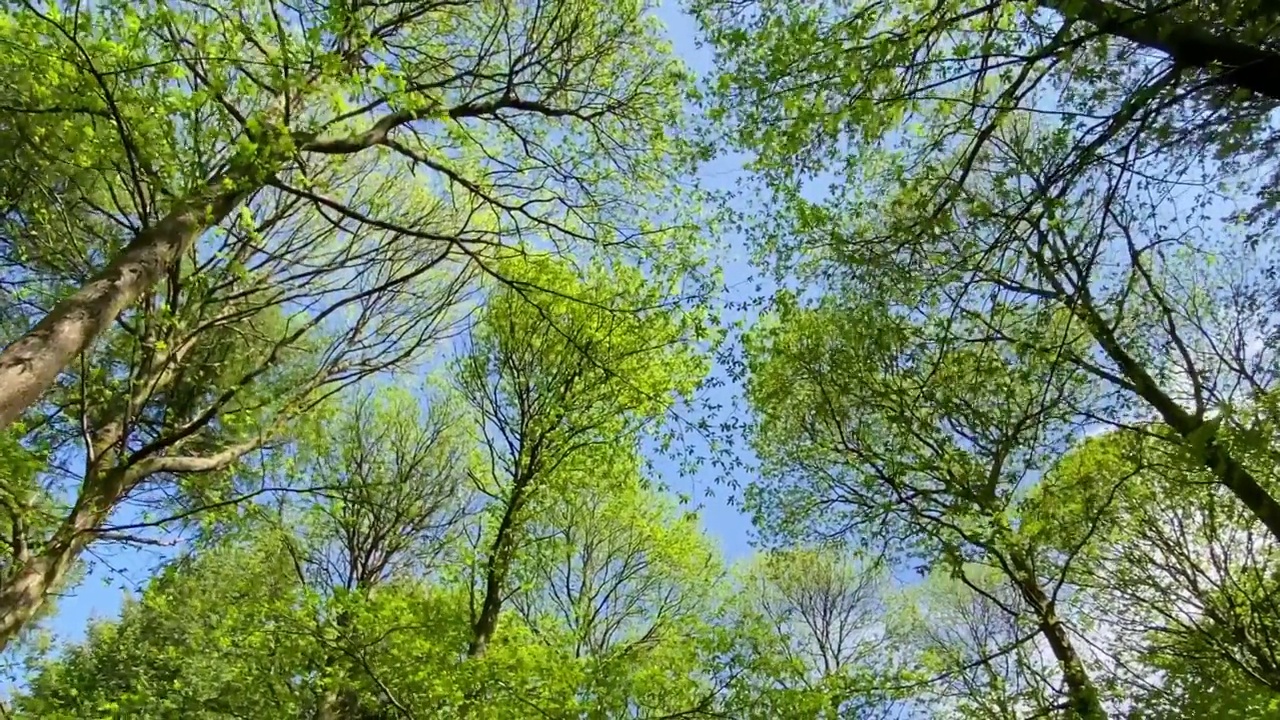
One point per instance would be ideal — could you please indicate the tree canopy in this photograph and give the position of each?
(393, 329)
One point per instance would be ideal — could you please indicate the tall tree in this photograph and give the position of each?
(392, 507)
(549, 118)
(564, 374)
(975, 658)
(284, 614)
(870, 425)
(222, 358)
(216, 330)
(1003, 155)
(817, 636)
(624, 583)
(1182, 577)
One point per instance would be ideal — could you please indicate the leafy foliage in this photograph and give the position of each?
(379, 317)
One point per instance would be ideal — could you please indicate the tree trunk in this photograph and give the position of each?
(30, 365)
(1234, 63)
(1081, 694)
(23, 595)
(497, 568)
(1199, 436)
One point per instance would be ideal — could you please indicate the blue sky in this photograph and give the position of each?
(112, 571)
(707, 487)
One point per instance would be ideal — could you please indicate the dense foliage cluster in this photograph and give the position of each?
(389, 321)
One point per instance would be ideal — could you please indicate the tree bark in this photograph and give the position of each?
(31, 364)
(23, 596)
(497, 568)
(1232, 62)
(1081, 693)
(1194, 430)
